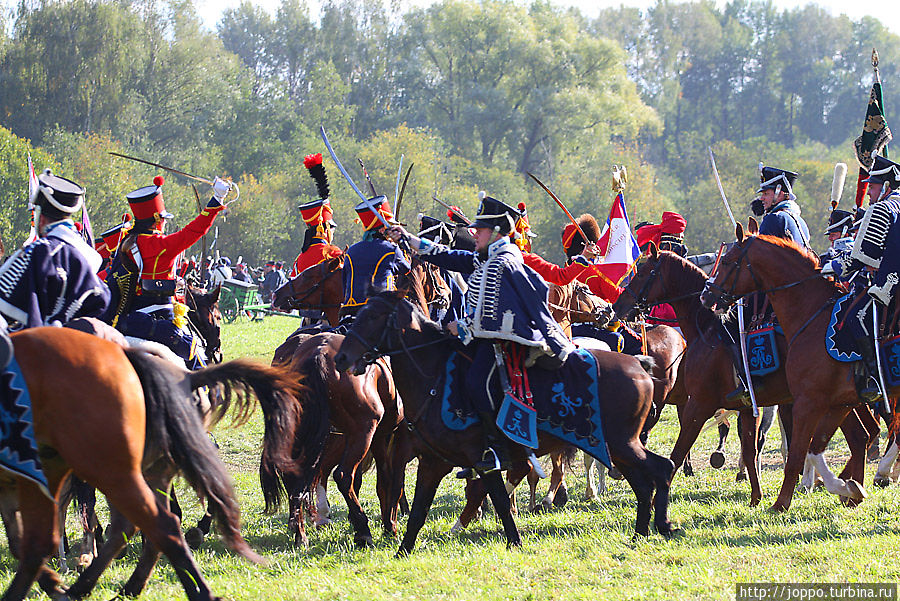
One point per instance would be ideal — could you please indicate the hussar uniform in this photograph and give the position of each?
(505, 302)
(374, 263)
(50, 281)
(317, 215)
(145, 281)
(876, 248)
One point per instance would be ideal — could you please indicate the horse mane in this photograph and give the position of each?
(683, 269)
(393, 296)
(811, 258)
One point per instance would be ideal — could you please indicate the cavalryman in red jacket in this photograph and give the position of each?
(146, 305)
(317, 245)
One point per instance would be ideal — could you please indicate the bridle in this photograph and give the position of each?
(718, 293)
(392, 329)
(642, 304)
(297, 300)
(202, 327)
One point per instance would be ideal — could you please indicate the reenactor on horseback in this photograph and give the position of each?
(446, 310)
(50, 281)
(317, 246)
(505, 303)
(876, 254)
(777, 205)
(375, 262)
(144, 277)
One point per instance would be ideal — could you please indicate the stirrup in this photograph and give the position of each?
(536, 465)
(740, 394)
(489, 463)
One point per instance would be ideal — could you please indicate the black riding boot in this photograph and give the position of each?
(741, 393)
(495, 445)
(865, 372)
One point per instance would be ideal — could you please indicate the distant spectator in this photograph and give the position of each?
(240, 273)
(221, 272)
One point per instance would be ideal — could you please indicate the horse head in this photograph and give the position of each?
(204, 314)
(378, 330)
(315, 288)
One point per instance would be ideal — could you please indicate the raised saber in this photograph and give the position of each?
(402, 190)
(451, 209)
(163, 167)
(561, 206)
(181, 173)
(712, 162)
(347, 177)
(742, 328)
(397, 185)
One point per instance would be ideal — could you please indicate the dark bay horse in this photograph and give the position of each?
(822, 388)
(390, 325)
(94, 418)
(206, 319)
(363, 408)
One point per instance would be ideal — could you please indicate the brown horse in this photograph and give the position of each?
(206, 319)
(319, 288)
(390, 325)
(822, 388)
(94, 419)
(363, 408)
(664, 277)
(276, 391)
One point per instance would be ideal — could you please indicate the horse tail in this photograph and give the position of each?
(309, 440)
(569, 454)
(275, 388)
(174, 426)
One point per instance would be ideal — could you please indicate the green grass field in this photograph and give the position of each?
(584, 551)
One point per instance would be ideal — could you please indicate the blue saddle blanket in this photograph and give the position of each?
(566, 400)
(18, 447)
(838, 341)
(762, 352)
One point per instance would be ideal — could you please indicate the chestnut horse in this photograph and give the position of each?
(389, 325)
(93, 418)
(822, 388)
(665, 277)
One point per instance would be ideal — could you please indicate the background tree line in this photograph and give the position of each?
(476, 94)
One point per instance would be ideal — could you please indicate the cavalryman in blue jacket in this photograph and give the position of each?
(374, 263)
(778, 203)
(505, 302)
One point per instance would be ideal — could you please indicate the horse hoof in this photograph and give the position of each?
(561, 498)
(717, 459)
(324, 523)
(755, 501)
(83, 562)
(516, 543)
(301, 542)
(688, 469)
(364, 542)
(668, 532)
(881, 482)
(590, 497)
(740, 477)
(778, 507)
(856, 490)
(615, 474)
(194, 538)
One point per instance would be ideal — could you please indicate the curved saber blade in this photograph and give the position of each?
(402, 190)
(712, 161)
(397, 185)
(561, 206)
(455, 211)
(346, 175)
(158, 166)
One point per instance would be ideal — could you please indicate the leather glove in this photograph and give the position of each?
(883, 293)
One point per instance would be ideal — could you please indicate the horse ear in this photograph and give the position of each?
(654, 251)
(214, 297)
(753, 226)
(739, 232)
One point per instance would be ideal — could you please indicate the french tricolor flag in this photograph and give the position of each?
(620, 249)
